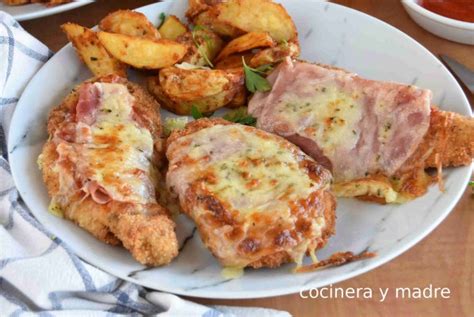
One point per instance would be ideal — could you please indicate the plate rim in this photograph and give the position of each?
(49, 11)
(290, 289)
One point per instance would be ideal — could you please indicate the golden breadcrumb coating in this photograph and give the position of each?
(147, 231)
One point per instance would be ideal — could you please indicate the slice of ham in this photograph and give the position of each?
(352, 125)
(97, 192)
(88, 103)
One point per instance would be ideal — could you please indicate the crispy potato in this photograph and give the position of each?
(172, 28)
(203, 45)
(234, 61)
(142, 52)
(275, 54)
(246, 43)
(235, 17)
(129, 22)
(240, 98)
(92, 52)
(209, 19)
(178, 90)
(197, 6)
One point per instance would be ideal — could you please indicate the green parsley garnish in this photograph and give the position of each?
(471, 183)
(162, 19)
(207, 39)
(253, 81)
(196, 113)
(241, 116)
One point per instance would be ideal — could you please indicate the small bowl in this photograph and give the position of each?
(451, 29)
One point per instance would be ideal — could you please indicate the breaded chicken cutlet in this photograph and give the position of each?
(100, 167)
(257, 200)
(378, 138)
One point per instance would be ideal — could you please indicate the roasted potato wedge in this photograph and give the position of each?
(203, 45)
(246, 43)
(209, 19)
(178, 90)
(195, 7)
(234, 61)
(240, 98)
(172, 28)
(142, 52)
(129, 22)
(235, 17)
(92, 52)
(275, 54)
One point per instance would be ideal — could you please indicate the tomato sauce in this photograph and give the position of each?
(462, 10)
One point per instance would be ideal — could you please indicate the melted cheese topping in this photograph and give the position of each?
(255, 174)
(260, 183)
(330, 116)
(114, 151)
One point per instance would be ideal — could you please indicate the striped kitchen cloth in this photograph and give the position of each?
(39, 275)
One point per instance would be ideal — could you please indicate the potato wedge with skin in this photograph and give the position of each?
(246, 43)
(172, 28)
(197, 6)
(141, 52)
(239, 100)
(275, 54)
(129, 22)
(209, 19)
(92, 52)
(203, 45)
(234, 17)
(234, 61)
(178, 90)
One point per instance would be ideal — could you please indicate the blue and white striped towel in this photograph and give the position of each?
(39, 275)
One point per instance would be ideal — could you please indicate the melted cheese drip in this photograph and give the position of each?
(232, 272)
(330, 116)
(255, 174)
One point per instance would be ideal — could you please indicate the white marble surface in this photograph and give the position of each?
(329, 34)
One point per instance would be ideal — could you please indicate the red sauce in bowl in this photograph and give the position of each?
(462, 10)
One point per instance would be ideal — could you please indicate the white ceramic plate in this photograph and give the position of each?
(37, 10)
(329, 34)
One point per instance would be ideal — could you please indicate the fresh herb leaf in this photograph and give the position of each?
(162, 19)
(202, 50)
(200, 28)
(249, 120)
(196, 113)
(241, 116)
(264, 68)
(253, 81)
(471, 183)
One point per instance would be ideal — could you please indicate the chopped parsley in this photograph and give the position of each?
(207, 39)
(241, 116)
(253, 80)
(162, 19)
(196, 113)
(471, 183)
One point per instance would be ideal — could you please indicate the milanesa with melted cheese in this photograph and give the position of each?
(376, 137)
(257, 200)
(100, 167)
